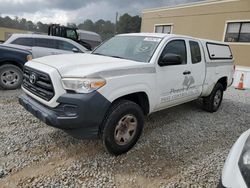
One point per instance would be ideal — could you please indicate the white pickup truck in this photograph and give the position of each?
(106, 94)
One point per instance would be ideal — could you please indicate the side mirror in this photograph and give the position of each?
(170, 59)
(75, 50)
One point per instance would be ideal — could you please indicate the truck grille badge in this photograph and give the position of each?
(32, 78)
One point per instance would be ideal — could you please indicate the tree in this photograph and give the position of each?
(73, 25)
(7, 21)
(22, 22)
(108, 30)
(99, 25)
(30, 26)
(42, 27)
(129, 24)
(87, 25)
(136, 24)
(126, 24)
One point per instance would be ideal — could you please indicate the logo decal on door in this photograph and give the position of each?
(185, 91)
(188, 81)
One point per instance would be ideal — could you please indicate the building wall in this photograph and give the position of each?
(4, 32)
(204, 20)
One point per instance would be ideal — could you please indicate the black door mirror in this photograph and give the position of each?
(75, 50)
(170, 59)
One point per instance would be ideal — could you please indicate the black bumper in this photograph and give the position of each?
(220, 185)
(76, 111)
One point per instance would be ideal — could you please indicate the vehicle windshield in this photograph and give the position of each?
(137, 48)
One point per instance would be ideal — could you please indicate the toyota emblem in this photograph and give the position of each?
(32, 78)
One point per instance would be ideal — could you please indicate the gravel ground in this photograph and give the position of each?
(180, 147)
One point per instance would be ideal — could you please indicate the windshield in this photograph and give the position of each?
(137, 48)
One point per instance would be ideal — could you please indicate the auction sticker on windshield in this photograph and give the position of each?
(152, 39)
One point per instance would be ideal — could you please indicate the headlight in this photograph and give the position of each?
(29, 57)
(83, 85)
(244, 162)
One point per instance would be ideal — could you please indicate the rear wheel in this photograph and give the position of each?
(122, 127)
(213, 101)
(11, 77)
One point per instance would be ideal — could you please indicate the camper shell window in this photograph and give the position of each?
(218, 51)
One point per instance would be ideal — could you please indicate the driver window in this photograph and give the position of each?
(177, 47)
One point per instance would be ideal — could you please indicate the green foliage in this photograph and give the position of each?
(125, 24)
(104, 28)
(129, 24)
(23, 24)
(87, 25)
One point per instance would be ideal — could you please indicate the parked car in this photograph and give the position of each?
(236, 171)
(12, 61)
(43, 45)
(107, 93)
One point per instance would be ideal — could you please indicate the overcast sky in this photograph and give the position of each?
(67, 11)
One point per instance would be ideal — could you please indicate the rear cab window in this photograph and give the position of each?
(195, 52)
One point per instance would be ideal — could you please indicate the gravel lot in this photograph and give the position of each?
(180, 147)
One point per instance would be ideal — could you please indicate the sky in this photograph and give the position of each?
(76, 11)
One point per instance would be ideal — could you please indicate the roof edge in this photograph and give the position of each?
(187, 5)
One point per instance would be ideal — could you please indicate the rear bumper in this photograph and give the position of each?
(76, 111)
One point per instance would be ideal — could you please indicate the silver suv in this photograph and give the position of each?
(44, 45)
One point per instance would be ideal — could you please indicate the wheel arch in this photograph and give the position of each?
(11, 62)
(140, 98)
(224, 82)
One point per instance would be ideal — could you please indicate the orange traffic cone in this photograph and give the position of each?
(240, 85)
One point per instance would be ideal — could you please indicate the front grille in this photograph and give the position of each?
(38, 83)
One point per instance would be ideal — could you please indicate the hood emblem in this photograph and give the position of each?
(32, 78)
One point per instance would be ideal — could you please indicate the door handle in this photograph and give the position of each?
(186, 72)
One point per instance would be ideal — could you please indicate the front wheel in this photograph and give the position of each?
(122, 127)
(11, 77)
(213, 101)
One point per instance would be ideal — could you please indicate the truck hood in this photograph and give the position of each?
(81, 65)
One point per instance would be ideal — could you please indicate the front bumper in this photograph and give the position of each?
(76, 111)
(220, 185)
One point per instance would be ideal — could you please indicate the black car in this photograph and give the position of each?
(12, 61)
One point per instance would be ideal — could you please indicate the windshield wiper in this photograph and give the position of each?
(109, 55)
(117, 56)
(98, 54)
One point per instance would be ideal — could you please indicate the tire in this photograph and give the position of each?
(11, 77)
(213, 101)
(123, 117)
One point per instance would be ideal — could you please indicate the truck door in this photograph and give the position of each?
(176, 81)
(196, 62)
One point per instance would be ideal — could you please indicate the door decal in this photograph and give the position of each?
(185, 91)
(188, 81)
